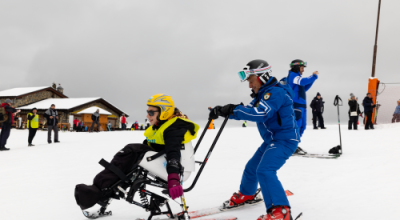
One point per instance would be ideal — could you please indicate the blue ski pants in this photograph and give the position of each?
(261, 169)
(302, 122)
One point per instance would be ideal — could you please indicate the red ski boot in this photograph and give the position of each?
(277, 213)
(238, 199)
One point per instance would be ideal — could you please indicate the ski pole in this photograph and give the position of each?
(337, 103)
(208, 155)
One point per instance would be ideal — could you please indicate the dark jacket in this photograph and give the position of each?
(173, 137)
(367, 104)
(317, 104)
(95, 118)
(10, 110)
(47, 115)
(354, 106)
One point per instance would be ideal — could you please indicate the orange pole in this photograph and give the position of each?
(373, 89)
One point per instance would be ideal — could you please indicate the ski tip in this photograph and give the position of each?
(288, 193)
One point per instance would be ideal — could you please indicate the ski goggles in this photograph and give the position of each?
(299, 64)
(151, 113)
(245, 74)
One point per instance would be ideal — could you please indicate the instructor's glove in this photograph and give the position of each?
(223, 111)
(214, 112)
(174, 185)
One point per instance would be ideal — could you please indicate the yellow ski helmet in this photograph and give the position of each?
(164, 103)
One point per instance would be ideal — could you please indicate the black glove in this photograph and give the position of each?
(223, 111)
(214, 112)
(227, 110)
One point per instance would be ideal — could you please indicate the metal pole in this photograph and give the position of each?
(376, 41)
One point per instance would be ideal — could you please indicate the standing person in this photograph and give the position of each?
(146, 121)
(300, 86)
(354, 112)
(52, 120)
(369, 106)
(136, 125)
(76, 124)
(123, 122)
(272, 110)
(396, 114)
(33, 125)
(95, 119)
(6, 128)
(109, 126)
(317, 108)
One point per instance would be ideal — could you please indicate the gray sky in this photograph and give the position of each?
(126, 51)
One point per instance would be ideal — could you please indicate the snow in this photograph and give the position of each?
(37, 183)
(21, 91)
(62, 103)
(91, 110)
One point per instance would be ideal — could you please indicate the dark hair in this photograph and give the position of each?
(53, 105)
(368, 93)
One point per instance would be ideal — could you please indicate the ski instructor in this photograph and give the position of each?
(300, 86)
(272, 110)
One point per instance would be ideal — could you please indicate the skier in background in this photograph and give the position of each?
(6, 128)
(354, 112)
(95, 119)
(123, 122)
(369, 106)
(272, 109)
(300, 86)
(244, 124)
(317, 106)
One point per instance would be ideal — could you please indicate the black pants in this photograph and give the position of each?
(98, 126)
(5, 133)
(32, 133)
(123, 126)
(368, 124)
(353, 122)
(52, 128)
(318, 116)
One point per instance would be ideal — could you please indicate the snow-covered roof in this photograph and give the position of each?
(21, 91)
(93, 109)
(63, 103)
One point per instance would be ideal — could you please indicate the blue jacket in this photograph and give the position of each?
(300, 86)
(367, 104)
(397, 111)
(273, 112)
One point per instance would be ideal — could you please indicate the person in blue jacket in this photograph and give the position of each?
(300, 86)
(272, 110)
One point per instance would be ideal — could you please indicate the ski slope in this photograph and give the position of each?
(37, 183)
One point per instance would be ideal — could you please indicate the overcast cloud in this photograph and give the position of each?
(126, 51)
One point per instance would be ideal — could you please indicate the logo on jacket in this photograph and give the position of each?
(267, 95)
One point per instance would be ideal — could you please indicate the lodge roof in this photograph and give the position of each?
(17, 92)
(68, 104)
(93, 109)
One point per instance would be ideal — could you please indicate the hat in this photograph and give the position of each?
(52, 105)
(34, 109)
(318, 94)
(352, 95)
(8, 101)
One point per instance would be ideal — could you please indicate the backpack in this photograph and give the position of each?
(3, 115)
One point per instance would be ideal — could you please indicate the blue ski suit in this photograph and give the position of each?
(273, 112)
(300, 86)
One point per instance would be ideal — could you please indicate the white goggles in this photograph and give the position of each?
(245, 74)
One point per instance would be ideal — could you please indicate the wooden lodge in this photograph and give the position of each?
(68, 109)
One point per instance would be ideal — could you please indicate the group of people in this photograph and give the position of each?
(79, 126)
(51, 116)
